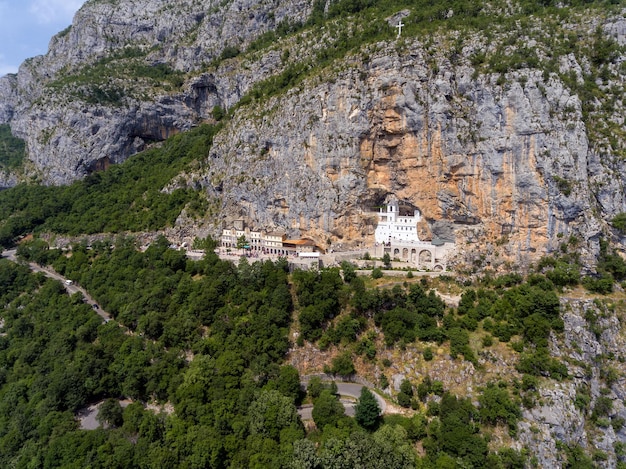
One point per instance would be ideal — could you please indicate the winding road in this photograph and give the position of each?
(351, 390)
(71, 288)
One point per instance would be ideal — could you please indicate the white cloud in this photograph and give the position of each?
(54, 11)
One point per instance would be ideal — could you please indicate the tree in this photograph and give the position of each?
(387, 260)
(271, 413)
(315, 387)
(496, 407)
(288, 382)
(242, 242)
(349, 272)
(367, 409)
(208, 244)
(304, 455)
(327, 409)
(406, 387)
(110, 413)
(377, 273)
(406, 393)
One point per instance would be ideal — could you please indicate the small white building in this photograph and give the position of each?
(397, 236)
(393, 227)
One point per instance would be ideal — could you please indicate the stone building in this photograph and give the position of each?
(396, 235)
(272, 243)
(394, 227)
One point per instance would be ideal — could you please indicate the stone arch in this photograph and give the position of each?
(413, 256)
(405, 253)
(425, 256)
(438, 268)
(396, 252)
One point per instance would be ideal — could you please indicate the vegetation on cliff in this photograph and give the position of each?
(128, 197)
(233, 399)
(12, 149)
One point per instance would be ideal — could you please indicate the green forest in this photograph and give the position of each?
(127, 197)
(210, 338)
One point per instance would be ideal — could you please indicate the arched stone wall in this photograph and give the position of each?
(426, 257)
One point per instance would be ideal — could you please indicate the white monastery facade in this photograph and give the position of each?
(393, 227)
(397, 236)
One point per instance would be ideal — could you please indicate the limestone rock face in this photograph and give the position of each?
(8, 85)
(482, 161)
(68, 136)
(592, 345)
(500, 160)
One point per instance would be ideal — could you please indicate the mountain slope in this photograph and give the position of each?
(502, 125)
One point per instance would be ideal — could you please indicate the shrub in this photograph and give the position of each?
(383, 381)
(602, 408)
(406, 387)
(496, 407)
(619, 222)
(564, 186)
(487, 341)
(377, 273)
(229, 52)
(405, 394)
(602, 284)
(404, 400)
(617, 423)
(218, 113)
(343, 365)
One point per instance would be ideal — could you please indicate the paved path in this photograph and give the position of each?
(350, 390)
(70, 288)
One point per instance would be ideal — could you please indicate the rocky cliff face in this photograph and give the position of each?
(507, 157)
(482, 160)
(8, 86)
(77, 126)
(588, 410)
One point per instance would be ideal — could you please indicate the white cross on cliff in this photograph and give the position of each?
(400, 26)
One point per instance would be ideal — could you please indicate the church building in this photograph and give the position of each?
(393, 227)
(397, 236)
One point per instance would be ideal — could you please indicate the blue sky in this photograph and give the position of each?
(26, 27)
